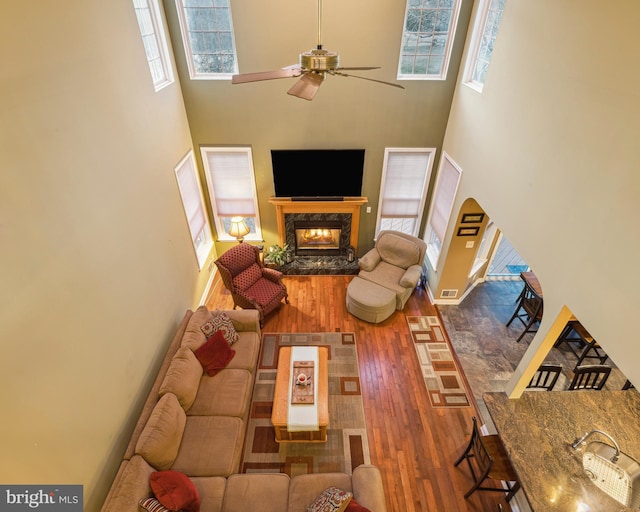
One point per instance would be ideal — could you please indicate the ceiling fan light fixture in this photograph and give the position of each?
(319, 60)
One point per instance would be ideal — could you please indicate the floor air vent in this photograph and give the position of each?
(448, 294)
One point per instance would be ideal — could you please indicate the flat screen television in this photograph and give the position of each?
(317, 173)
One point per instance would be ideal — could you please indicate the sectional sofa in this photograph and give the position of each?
(194, 424)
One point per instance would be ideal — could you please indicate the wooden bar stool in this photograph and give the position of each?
(528, 311)
(588, 348)
(545, 377)
(488, 459)
(589, 377)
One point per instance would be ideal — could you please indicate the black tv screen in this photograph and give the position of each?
(317, 173)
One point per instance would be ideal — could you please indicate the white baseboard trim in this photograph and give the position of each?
(457, 301)
(207, 288)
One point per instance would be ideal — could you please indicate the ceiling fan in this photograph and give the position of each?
(314, 65)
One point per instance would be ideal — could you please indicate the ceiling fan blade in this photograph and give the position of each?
(360, 68)
(307, 86)
(370, 79)
(267, 75)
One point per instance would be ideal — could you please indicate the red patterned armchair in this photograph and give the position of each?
(252, 286)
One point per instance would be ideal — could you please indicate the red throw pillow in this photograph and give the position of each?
(354, 506)
(175, 490)
(215, 354)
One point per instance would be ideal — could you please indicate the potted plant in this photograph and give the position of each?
(277, 256)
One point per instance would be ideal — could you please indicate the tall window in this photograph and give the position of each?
(232, 187)
(155, 42)
(207, 34)
(405, 178)
(427, 38)
(483, 39)
(444, 194)
(194, 209)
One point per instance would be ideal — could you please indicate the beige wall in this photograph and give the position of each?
(550, 152)
(346, 112)
(96, 265)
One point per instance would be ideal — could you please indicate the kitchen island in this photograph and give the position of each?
(538, 430)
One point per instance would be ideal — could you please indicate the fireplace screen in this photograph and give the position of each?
(315, 237)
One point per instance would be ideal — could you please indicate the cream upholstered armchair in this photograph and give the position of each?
(395, 263)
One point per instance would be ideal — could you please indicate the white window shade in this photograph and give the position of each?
(405, 177)
(232, 188)
(194, 209)
(444, 194)
(232, 182)
(190, 192)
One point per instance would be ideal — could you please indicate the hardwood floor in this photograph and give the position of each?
(413, 444)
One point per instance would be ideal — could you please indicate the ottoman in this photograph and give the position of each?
(369, 301)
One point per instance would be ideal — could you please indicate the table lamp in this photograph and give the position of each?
(238, 228)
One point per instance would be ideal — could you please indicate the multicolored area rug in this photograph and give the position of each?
(347, 445)
(442, 377)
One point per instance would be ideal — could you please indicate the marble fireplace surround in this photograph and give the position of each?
(288, 211)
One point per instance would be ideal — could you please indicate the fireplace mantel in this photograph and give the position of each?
(350, 205)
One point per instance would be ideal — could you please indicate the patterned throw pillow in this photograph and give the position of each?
(221, 322)
(152, 505)
(331, 499)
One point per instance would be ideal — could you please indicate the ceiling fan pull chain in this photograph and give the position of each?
(319, 25)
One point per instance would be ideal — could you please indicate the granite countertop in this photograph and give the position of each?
(538, 429)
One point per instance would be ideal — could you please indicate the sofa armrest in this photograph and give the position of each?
(130, 485)
(272, 274)
(369, 261)
(245, 319)
(368, 489)
(411, 276)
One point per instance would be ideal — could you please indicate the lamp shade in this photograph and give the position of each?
(238, 228)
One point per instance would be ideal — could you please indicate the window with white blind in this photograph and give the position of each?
(405, 178)
(194, 209)
(209, 42)
(483, 39)
(427, 39)
(444, 194)
(232, 188)
(154, 38)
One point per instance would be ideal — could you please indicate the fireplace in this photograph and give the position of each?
(318, 253)
(318, 234)
(316, 238)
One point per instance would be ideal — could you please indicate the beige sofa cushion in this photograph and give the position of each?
(183, 377)
(228, 393)
(247, 348)
(211, 490)
(160, 439)
(266, 493)
(193, 337)
(211, 446)
(304, 489)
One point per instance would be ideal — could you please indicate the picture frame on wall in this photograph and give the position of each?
(470, 231)
(472, 218)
